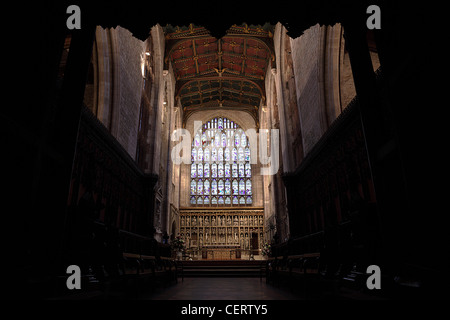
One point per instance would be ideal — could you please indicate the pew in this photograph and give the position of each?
(139, 273)
(300, 272)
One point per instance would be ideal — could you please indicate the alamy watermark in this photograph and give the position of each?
(74, 20)
(181, 152)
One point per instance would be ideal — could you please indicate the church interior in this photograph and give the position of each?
(294, 140)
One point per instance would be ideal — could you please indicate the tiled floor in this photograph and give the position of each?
(222, 289)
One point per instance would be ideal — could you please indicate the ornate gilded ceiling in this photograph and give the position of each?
(220, 73)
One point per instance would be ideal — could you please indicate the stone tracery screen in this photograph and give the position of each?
(220, 169)
(200, 227)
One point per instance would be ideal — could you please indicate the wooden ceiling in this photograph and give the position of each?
(223, 73)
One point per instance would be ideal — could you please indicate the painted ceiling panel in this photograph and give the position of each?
(216, 73)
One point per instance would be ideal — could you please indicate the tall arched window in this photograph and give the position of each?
(220, 170)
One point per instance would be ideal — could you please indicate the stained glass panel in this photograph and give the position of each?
(234, 170)
(247, 154)
(220, 169)
(234, 155)
(228, 187)
(193, 170)
(193, 187)
(242, 187)
(220, 151)
(235, 187)
(227, 154)
(220, 187)
(224, 140)
(248, 171)
(248, 187)
(227, 170)
(206, 170)
(200, 187)
(241, 154)
(206, 187)
(197, 140)
(214, 170)
(214, 187)
(241, 169)
(200, 170)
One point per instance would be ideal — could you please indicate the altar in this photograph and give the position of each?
(222, 234)
(221, 252)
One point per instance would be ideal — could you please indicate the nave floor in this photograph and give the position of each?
(221, 288)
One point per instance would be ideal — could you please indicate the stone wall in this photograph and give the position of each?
(129, 52)
(306, 57)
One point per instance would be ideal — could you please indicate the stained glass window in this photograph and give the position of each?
(227, 187)
(200, 170)
(241, 170)
(247, 154)
(243, 140)
(193, 170)
(206, 187)
(248, 187)
(197, 140)
(242, 187)
(214, 187)
(193, 187)
(206, 170)
(227, 170)
(200, 187)
(220, 187)
(240, 155)
(227, 154)
(235, 187)
(234, 155)
(221, 169)
(214, 170)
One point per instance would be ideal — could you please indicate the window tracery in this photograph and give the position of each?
(220, 169)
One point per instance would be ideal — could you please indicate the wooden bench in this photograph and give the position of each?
(307, 263)
(304, 273)
(142, 272)
(275, 268)
(162, 270)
